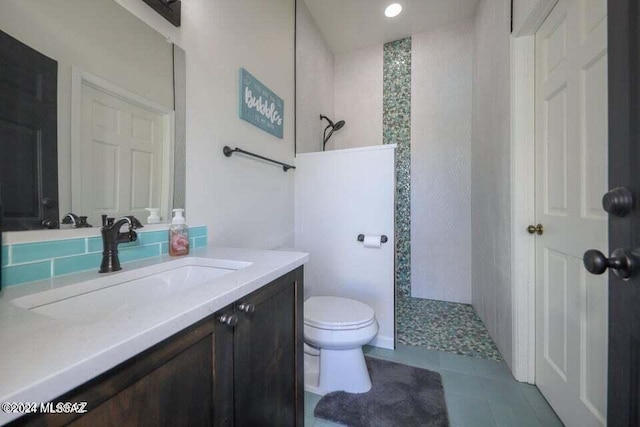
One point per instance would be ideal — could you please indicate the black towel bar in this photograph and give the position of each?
(228, 151)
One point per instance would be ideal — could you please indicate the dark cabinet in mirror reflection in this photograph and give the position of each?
(169, 9)
(28, 137)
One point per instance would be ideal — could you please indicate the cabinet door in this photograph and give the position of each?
(167, 385)
(177, 393)
(267, 356)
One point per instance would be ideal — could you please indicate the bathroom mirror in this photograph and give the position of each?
(92, 115)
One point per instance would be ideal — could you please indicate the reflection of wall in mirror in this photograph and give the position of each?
(253, 208)
(97, 36)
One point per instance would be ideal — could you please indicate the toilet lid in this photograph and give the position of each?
(336, 312)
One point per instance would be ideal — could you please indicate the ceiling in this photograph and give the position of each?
(355, 24)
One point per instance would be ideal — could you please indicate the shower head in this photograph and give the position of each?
(331, 127)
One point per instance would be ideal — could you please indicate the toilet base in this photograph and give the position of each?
(336, 370)
(311, 373)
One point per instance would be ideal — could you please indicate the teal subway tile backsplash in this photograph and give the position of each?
(26, 252)
(76, 263)
(16, 274)
(144, 238)
(152, 237)
(27, 262)
(94, 244)
(198, 232)
(133, 254)
(200, 242)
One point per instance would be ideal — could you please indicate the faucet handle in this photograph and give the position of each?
(107, 221)
(82, 222)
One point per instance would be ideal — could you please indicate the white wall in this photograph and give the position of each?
(441, 101)
(442, 76)
(243, 202)
(340, 194)
(521, 10)
(358, 98)
(81, 33)
(490, 174)
(529, 14)
(315, 82)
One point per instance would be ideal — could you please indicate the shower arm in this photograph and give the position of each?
(325, 137)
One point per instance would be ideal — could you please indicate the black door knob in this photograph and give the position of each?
(623, 262)
(618, 202)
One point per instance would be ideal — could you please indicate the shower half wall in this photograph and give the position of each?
(333, 205)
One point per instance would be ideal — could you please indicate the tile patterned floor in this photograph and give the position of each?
(479, 392)
(444, 326)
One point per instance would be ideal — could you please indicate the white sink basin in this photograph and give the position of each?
(96, 299)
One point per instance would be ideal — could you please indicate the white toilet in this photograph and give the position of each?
(335, 329)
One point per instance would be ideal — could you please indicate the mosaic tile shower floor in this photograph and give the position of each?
(444, 326)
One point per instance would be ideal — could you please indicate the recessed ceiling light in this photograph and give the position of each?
(393, 9)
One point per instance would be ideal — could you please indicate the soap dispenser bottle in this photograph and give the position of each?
(178, 234)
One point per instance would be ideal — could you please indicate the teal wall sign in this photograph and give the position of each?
(260, 106)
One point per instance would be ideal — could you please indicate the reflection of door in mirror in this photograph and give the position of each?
(123, 141)
(28, 137)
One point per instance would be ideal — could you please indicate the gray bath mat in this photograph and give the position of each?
(400, 396)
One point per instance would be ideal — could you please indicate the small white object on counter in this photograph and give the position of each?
(44, 357)
(154, 215)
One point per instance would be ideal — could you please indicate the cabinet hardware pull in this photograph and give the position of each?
(228, 319)
(247, 308)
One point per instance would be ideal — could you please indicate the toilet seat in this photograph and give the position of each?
(337, 314)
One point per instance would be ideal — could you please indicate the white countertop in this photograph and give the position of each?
(42, 358)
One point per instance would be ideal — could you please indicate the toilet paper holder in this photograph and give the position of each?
(383, 238)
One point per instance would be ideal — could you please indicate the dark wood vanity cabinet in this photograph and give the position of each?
(243, 366)
(267, 344)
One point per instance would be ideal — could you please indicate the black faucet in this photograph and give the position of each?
(111, 237)
(70, 218)
(82, 222)
(77, 221)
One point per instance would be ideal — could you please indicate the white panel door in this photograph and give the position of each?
(571, 177)
(340, 194)
(122, 156)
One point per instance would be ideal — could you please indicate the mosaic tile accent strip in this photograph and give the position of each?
(444, 326)
(27, 262)
(396, 122)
